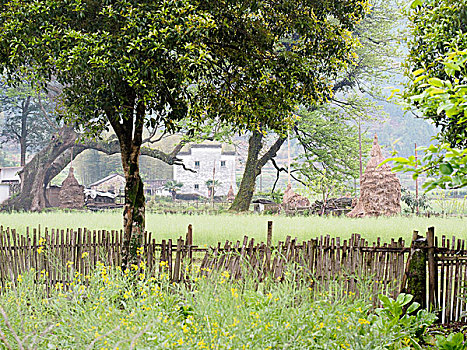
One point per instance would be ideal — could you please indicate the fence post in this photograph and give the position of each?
(268, 248)
(189, 235)
(432, 269)
(189, 243)
(269, 238)
(416, 276)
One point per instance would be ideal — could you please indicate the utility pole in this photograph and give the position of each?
(416, 181)
(360, 146)
(212, 185)
(288, 157)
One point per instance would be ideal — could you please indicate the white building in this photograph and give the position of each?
(8, 177)
(210, 162)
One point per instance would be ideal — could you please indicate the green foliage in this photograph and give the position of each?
(445, 95)
(173, 186)
(398, 316)
(454, 341)
(110, 308)
(437, 28)
(331, 156)
(212, 185)
(422, 202)
(439, 91)
(178, 59)
(446, 167)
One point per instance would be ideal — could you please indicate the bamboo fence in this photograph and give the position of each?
(56, 256)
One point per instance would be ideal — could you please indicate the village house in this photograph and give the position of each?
(114, 183)
(9, 182)
(156, 188)
(211, 162)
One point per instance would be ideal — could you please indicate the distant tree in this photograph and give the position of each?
(173, 186)
(361, 68)
(331, 148)
(422, 202)
(25, 121)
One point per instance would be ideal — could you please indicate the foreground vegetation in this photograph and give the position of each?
(210, 229)
(116, 310)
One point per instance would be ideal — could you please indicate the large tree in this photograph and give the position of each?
(128, 64)
(25, 119)
(371, 64)
(331, 147)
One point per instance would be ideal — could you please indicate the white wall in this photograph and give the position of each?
(9, 174)
(4, 192)
(208, 158)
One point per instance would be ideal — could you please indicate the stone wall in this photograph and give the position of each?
(202, 159)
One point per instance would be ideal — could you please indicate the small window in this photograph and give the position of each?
(196, 186)
(197, 163)
(222, 162)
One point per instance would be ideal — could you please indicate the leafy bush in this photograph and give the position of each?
(451, 342)
(411, 201)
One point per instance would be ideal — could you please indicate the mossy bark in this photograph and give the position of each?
(34, 176)
(253, 167)
(247, 186)
(416, 281)
(133, 215)
(129, 131)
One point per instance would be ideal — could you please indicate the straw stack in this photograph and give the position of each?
(71, 194)
(380, 189)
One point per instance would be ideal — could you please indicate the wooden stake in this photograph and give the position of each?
(269, 238)
(432, 270)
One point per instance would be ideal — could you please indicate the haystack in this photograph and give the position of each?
(380, 189)
(72, 193)
(292, 200)
(230, 194)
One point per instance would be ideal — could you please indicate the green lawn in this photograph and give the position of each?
(209, 229)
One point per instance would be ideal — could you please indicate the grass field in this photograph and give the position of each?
(210, 229)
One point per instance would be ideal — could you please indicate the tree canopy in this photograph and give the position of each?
(436, 28)
(436, 89)
(25, 121)
(130, 64)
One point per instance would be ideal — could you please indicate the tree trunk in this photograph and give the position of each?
(34, 174)
(253, 167)
(24, 130)
(133, 213)
(247, 186)
(129, 131)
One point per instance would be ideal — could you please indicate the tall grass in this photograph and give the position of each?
(115, 310)
(209, 229)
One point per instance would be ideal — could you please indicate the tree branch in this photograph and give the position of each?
(270, 154)
(279, 169)
(46, 116)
